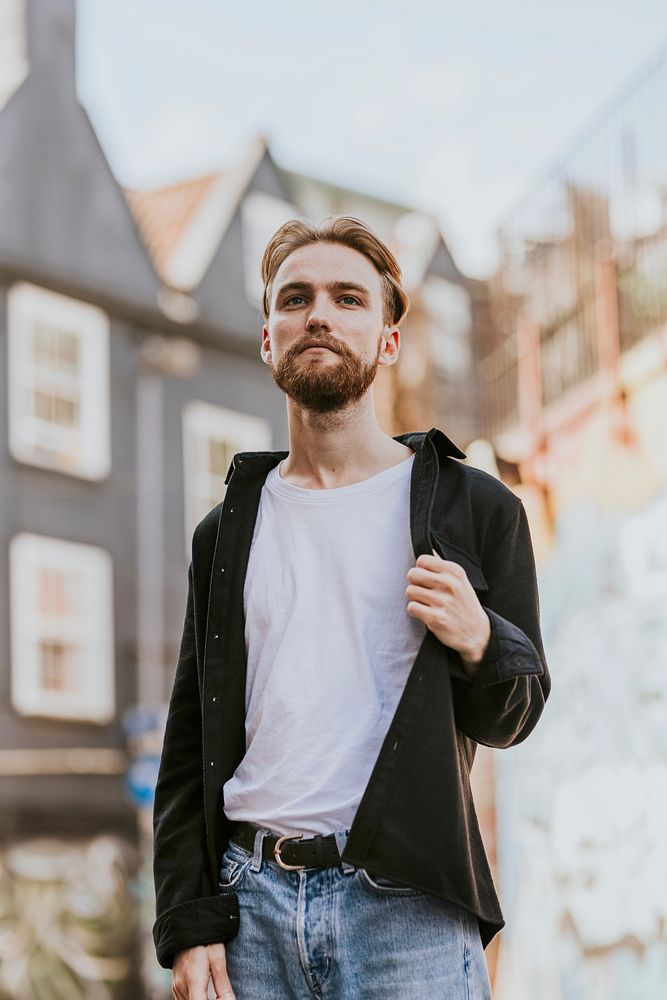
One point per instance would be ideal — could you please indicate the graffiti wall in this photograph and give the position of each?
(582, 806)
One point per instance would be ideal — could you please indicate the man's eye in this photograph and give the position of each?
(291, 299)
(355, 300)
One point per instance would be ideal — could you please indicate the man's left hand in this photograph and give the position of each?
(441, 596)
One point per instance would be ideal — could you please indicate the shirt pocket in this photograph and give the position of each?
(470, 563)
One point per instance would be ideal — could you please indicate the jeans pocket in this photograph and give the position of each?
(385, 886)
(232, 871)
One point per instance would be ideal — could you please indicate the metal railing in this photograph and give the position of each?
(609, 190)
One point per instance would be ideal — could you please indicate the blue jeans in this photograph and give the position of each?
(342, 934)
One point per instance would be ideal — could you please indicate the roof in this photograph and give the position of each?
(183, 224)
(163, 215)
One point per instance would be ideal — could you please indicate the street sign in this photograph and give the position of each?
(140, 719)
(141, 778)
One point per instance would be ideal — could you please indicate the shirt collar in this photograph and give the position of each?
(253, 462)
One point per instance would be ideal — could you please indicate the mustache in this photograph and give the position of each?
(335, 345)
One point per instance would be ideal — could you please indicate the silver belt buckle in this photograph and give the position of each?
(276, 852)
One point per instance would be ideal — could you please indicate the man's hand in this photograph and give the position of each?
(441, 596)
(193, 967)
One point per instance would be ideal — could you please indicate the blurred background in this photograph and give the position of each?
(514, 157)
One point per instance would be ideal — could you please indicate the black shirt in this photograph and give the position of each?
(416, 821)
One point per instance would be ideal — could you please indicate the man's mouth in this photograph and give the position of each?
(317, 345)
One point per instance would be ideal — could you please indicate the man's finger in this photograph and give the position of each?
(197, 988)
(192, 984)
(442, 580)
(432, 562)
(424, 577)
(218, 964)
(423, 595)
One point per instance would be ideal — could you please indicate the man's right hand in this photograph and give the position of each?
(194, 967)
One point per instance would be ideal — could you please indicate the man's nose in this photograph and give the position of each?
(319, 316)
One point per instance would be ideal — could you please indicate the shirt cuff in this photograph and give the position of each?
(509, 653)
(211, 920)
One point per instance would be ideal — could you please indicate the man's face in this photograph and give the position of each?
(326, 336)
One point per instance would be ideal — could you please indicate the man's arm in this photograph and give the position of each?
(499, 699)
(499, 673)
(189, 910)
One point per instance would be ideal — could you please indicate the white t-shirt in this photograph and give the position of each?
(329, 647)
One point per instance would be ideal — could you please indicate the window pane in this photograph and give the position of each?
(66, 412)
(57, 666)
(68, 352)
(219, 457)
(42, 405)
(43, 343)
(57, 592)
(54, 348)
(56, 408)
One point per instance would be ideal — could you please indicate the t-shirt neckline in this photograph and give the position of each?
(381, 479)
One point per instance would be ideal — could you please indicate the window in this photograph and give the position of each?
(448, 307)
(62, 656)
(261, 215)
(58, 382)
(211, 437)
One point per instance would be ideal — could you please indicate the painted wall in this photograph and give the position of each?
(582, 806)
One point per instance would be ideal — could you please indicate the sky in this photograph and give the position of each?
(456, 109)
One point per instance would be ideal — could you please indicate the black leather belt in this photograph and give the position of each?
(291, 852)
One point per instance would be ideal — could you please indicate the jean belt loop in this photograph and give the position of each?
(257, 854)
(341, 840)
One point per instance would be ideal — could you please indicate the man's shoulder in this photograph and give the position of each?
(474, 508)
(484, 486)
(485, 489)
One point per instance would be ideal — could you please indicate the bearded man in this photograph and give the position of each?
(362, 612)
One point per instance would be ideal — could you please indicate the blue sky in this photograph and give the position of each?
(457, 109)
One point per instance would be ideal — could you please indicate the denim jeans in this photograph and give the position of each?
(343, 934)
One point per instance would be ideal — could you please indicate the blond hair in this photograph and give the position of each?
(349, 231)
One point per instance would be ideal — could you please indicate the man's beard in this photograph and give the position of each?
(325, 387)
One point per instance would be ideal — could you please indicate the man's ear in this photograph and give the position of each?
(391, 345)
(265, 347)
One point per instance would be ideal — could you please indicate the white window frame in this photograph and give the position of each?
(90, 628)
(203, 422)
(261, 215)
(84, 450)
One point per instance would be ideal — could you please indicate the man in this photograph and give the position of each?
(362, 611)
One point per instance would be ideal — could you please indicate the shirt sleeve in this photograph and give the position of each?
(500, 705)
(189, 912)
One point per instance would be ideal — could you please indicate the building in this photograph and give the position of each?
(575, 391)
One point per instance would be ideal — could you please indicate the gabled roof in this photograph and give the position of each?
(184, 224)
(165, 213)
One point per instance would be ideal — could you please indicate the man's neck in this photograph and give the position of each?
(338, 449)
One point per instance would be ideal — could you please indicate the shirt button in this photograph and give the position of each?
(216, 637)
(214, 697)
